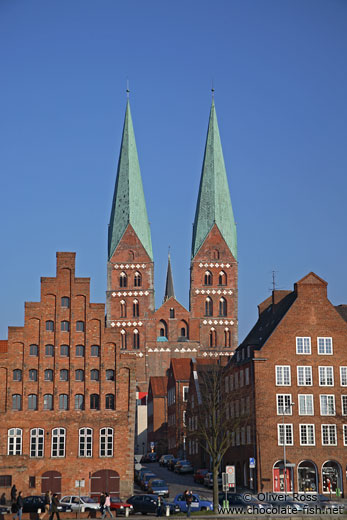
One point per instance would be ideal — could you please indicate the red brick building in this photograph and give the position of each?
(290, 375)
(67, 395)
(177, 397)
(157, 413)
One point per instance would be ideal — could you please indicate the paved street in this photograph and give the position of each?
(177, 483)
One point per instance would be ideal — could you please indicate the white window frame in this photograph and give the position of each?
(321, 368)
(281, 376)
(307, 426)
(305, 378)
(185, 393)
(325, 353)
(328, 398)
(85, 442)
(14, 441)
(305, 398)
(343, 376)
(106, 436)
(287, 407)
(329, 428)
(58, 443)
(344, 404)
(344, 433)
(37, 442)
(288, 428)
(305, 345)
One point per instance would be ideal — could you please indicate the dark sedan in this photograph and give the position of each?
(35, 502)
(149, 503)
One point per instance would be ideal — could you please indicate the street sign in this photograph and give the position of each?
(251, 462)
(79, 483)
(152, 445)
(230, 471)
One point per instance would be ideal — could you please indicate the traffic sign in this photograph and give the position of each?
(251, 462)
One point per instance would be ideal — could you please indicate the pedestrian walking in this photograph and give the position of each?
(107, 506)
(19, 507)
(54, 507)
(3, 499)
(13, 493)
(47, 499)
(159, 506)
(102, 502)
(189, 500)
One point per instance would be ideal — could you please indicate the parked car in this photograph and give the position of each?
(237, 500)
(148, 504)
(208, 480)
(165, 459)
(171, 463)
(33, 503)
(199, 475)
(158, 487)
(76, 503)
(146, 478)
(120, 507)
(289, 504)
(139, 474)
(198, 503)
(150, 457)
(183, 466)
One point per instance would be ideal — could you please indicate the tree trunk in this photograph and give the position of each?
(215, 488)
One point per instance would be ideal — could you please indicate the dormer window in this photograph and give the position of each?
(123, 280)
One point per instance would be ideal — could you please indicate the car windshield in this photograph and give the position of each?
(149, 476)
(158, 483)
(88, 499)
(116, 500)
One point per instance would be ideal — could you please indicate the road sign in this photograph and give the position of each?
(230, 471)
(251, 462)
(79, 483)
(152, 445)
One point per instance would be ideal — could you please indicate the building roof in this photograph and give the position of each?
(214, 203)
(342, 310)
(129, 206)
(158, 385)
(3, 346)
(169, 286)
(181, 368)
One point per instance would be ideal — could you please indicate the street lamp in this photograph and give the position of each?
(285, 408)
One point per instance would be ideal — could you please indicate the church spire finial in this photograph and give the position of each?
(128, 90)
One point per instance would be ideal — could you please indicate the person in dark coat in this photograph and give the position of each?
(19, 507)
(189, 500)
(102, 502)
(54, 507)
(3, 499)
(159, 506)
(13, 493)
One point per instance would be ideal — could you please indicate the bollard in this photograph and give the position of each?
(167, 511)
(82, 509)
(126, 511)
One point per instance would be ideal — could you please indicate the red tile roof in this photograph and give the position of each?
(3, 346)
(181, 368)
(159, 386)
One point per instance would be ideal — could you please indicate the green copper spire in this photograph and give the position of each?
(128, 206)
(169, 286)
(214, 204)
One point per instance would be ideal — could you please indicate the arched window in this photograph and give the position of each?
(65, 302)
(85, 442)
(34, 350)
(136, 339)
(79, 402)
(50, 325)
(227, 338)
(183, 332)
(213, 338)
(109, 402)
(65, 326)
(32, 402)
(172, 312)
(79, 375)
(215, 254)
(64, 350)
(37, 439)
(58, 442)
(331, 470)
(162, 330)
(106, 442)
(64, 375)
(95, 351)
(48, 375)
(94, 402)
(131, 255)
(136, 312)
(307, 477)
(79, 326)
(49, 350)
(222, 278)
(109, 375)
(123, 337)
(94, 375)
(137, 279)
(17, 375)
(79, 351)
(222, 307)
(16, 402)
(33, 374)
(48, 402)
(123, 309)
(14, 441)
(123, 280)
(208, 307)
(63, 402)
(208, 278)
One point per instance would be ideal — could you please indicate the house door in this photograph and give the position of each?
(105, 480)
(51, 481)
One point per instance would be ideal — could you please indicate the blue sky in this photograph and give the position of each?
(279, 70)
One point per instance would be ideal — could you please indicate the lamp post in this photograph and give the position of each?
(285, 408)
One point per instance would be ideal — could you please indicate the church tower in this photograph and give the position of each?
(130, 284)
(214, 270)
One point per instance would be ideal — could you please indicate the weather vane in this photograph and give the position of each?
(127, 90)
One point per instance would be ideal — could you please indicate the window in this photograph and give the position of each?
(14, 441)
(287, 431)
(172, 313)
(109, 375)
(208, 278)
(50, 325)
(241, 378)
(94, 402)
(307, 435)
(16, 402)
(284, 402)
(326, 376)
(79, 351)
(17, 375)
(85, 442)
(283, 375)
(123, 309)
(344, 404)
(329, 436)
(123, 337)
(79, 326)
(136, 311)
(58, 442)
(304, 375)
(63, 402)
(215, 254)
(106, 442)
(65, 326)
(34, 350)
(64, 350)
(183, 332)
(37, 439)
(48, 402)
(227, 338)
(123, 280)
(303, 345)
(32, 482)
(137, 280)
(48, 376)
(79, 375)
(65, 302)
(185, 393)
(343, 376)
(32, 402)
(79, 402)
(94, 375)
(213, 338)
(325, 346)
(222, 278)
(208, 307)
(247, 376)
(344, 436)
(306, 404)
(32, 374)
(109, 402)
(49, 350)
(136, 339)
(222, 307)
(5, 480)
(327, 404)
(95, 351)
